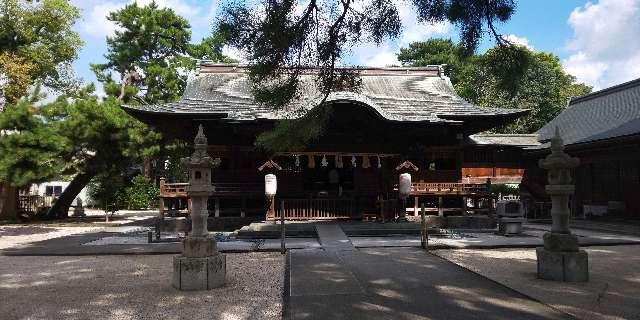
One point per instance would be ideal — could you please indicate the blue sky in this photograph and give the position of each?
(597, 41)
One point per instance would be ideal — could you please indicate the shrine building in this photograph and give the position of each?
(350, 171)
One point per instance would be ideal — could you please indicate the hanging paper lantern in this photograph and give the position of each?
(404, 185)
(365, 162)
(324, 161)
(270, 184)
(379, 163)
(353, 161)
(339, 163)
(297, 160)
(312, 161)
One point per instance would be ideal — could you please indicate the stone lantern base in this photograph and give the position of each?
(200, 267)
(561, 259)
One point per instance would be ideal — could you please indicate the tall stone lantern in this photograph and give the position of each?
(561, 258)
(201, 266)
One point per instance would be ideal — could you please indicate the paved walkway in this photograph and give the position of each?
(340, 282)
(332, 238)
(612, 292)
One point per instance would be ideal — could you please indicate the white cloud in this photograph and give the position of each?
(233, 53)
(519, 41)
(605, 49)
(94, 21)
(368, 54)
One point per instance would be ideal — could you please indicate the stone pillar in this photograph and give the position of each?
(561, 258)
(201, 266)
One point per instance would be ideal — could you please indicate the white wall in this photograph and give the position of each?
(41, 188)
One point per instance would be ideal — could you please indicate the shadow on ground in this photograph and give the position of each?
(399, 283)
(135, 287)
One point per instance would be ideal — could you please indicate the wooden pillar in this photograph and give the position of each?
(216, 207)
(464, 205)
(161, 208)
(440, 211)
(271, 212)
(415, 206)
(243, 207)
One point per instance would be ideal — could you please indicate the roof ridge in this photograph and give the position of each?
(605, 91)
(225, 66)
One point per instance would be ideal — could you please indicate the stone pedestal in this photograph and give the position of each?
(563, 266)
(204, 273)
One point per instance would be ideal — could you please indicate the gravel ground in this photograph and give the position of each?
(613, 291)
(136, 287)
(15, 236)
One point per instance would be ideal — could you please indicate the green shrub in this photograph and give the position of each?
(142, 193)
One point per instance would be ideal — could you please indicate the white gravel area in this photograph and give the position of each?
(612, 293)
(136, 287)
(17, 236)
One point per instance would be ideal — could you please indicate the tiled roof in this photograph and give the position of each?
(518, 140)
(604, 114)
(398, 94)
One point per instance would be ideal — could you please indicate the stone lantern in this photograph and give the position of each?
(561, 258)
(201, 266)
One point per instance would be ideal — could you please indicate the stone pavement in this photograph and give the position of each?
(340, 282)
(612, 293)
(332, 238)
(399, 283)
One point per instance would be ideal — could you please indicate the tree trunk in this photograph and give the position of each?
(60, 208)
(8, 201)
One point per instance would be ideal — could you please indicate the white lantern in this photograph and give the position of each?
(404, 187)
(270, 184)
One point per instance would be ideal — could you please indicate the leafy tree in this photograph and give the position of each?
(37, 43)
(151, 52)
(142, 193)
(509, 76)
(107, 191)
(79, 137)
(282, 38)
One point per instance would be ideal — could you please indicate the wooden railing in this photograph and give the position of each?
(237, 188)
(311, 209)
(420, 188)
(33, 203)
(173, 190)
(179, 190)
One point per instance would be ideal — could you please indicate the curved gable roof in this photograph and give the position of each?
(396, 94)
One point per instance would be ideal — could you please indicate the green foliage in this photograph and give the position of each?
(173, 169)
(141, 194)
(507, 76)
(39, 35)
(70, 136)
(282, 37)
(29, 145)
(504, 189)
(153, 43)
(107, 191)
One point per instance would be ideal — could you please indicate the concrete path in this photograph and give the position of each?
(397, 283)
(612, 292)
(332, 238)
